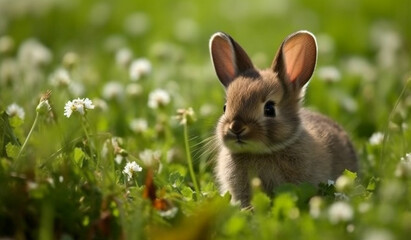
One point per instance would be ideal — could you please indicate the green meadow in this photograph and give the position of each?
(107, 109)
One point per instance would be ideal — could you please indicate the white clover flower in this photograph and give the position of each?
(124, 57)
(329, 74)
(137, 23)
(340, 212)
(33, 53)
(158, 98)
(134, 89)
(361, 67)
(186, 30)
(139, 68)
(130, 169)
(185, 116)
(138, 125)
(60, 78)
(150, 157)
(343, 183)
(77, 105)
(31, 185)
(100, 13)
(341, 196)
(114, 42)
(15, 110)
(9, 71)
(364, 207)
(326, 44)
(315, 206)
(376, 138)
(113, 90)
(100, 104)
(70, 59)
(404, 166)
(207, 109)
(378, 234)
(118, 158)
(43, 107)
(76, 89)
(169, 213)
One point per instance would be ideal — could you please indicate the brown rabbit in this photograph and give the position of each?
(264, 132)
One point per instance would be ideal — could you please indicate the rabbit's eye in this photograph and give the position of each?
(224, 107)
(269, 110)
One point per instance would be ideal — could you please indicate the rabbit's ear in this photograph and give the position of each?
(295, 60)
(229, 59)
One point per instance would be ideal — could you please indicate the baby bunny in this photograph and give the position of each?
(264, 132)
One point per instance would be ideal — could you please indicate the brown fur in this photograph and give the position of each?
(296, 145)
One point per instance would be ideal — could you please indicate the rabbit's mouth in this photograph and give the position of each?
(241, 145)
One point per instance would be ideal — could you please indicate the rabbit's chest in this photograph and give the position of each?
(274, 171)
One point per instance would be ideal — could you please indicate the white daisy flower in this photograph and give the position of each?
(130, 169)
(139, 68)
(158, 98)
(376, 138)
(340, 212)
(78, 105)
(15, 110)
(138, 125)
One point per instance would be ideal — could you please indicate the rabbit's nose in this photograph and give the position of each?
(237, 127)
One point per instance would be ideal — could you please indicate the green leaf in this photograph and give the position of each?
(372, 184)
(176, 179)
(235, 225)
(16, 122)
(283, 205)
(261, 202)
(12, 150)
(79, 156)
(6, 134)
(187, 193)
(351, 175)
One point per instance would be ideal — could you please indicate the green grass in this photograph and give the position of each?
(65, 183)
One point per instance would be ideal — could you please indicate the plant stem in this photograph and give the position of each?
(85, 128)
(28, 136)
(190, 162)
